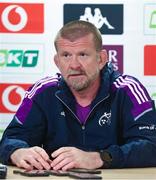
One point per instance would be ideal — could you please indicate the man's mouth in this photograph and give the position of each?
(76, 75)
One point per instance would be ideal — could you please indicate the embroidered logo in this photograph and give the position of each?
(62, 113)
(151, 127)
(105, 119)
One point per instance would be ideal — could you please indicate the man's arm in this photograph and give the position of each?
(137, 144)
(25, 130)
(137, 126)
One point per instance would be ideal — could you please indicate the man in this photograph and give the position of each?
(88, 117)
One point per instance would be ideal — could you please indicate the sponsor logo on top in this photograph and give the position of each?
(108, 18)
(11, 96)
(21, 18)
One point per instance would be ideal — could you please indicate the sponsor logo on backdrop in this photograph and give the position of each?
(115, 55)
(153, 95)
(150, 60)
(21, 18)
(150, 19)
(4, 121)
(11, 96)
(152, 91)
(108, 18)
(21, 58)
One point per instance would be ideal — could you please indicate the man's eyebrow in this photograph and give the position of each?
(64, 52)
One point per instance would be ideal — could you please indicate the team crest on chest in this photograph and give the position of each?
(105, 119)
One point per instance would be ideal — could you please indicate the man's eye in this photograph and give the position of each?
(83, 54)
(66, 55)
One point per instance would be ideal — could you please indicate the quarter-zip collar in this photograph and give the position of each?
(107, 77)
(65, 96)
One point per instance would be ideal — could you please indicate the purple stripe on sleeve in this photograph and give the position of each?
(136, 92)
(24, 110)
(137, 110)
(27, 102)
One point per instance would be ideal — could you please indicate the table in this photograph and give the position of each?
(108, 174)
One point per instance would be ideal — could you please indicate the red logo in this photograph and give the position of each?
(21, 18)
(150, 60)
(11, 96)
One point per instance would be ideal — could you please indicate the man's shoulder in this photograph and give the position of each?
(123, 81)
(42, 85)
(131, 86)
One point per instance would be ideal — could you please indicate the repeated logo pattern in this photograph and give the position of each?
(25, 60)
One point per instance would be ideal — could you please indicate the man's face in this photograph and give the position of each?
(78, 62)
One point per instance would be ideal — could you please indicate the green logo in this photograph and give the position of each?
(153, 96)
(153, 20)
(18, 58)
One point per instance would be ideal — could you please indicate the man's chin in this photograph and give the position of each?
(76, 80)
(78, 86)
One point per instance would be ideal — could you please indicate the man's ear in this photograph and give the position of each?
(103, 58)
(56, 60)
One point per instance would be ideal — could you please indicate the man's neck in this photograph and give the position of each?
(86, 96)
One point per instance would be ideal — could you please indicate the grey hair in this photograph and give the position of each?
(77, 29)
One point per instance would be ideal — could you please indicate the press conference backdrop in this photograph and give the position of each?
(28, 29)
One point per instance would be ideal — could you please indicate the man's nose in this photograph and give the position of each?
(74, 63)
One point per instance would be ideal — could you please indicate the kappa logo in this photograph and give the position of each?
(108, 18)
(11, 96)
(105, 119)
(21, 18)
(97, 18)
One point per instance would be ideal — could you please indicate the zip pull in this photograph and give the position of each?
(83, 127)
